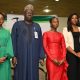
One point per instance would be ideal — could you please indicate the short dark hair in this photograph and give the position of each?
(52, 19)
(4, 15)
(69, 26)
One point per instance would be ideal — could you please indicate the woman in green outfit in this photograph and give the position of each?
(6, 51)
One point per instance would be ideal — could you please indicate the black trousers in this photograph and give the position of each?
(74, 67)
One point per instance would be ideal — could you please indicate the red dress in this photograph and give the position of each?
(54, 46)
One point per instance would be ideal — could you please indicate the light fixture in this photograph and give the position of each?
(47, 10)
(56, 0)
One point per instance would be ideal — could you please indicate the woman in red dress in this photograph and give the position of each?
(55, 49)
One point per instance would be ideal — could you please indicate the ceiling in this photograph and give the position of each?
(61, 8)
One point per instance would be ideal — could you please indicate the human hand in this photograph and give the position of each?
(62, 61)
(56, 62)
(2, 59)
(78, 54)
(42, 62)
(14, 61)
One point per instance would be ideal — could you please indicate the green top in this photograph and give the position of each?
(6, 49)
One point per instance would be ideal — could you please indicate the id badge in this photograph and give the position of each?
(36, 34)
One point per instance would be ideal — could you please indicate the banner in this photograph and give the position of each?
(41, 19)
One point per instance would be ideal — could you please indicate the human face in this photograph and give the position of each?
(74, 20)
(1, 20)
(55, 23)
(28, 15)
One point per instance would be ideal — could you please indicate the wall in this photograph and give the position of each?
(42, 20)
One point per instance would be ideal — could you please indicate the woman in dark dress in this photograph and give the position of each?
(72, 38)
